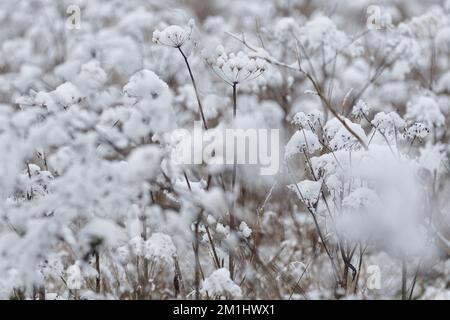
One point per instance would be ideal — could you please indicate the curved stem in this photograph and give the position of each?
(200, 107)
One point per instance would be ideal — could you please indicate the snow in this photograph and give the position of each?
(144, 163)
(93, 123)
(234, 68)
(160, 247)
(174, 36)
(343, 139)
(308, 191)
(304, 141)
(425, 109)
(219, 283)
(146, 84)
(361, 109)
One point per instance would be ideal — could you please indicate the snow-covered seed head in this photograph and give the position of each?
(361, 109)
(417, 130)
(235, 68)
(174, 36)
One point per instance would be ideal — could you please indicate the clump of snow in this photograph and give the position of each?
(417, 130)
(219, 284)
(245, 230)
(160, 247)
(360, 198)
(146, 84)
(144, 163)
(302, 141)
(389, 123)
(174, 36)
(425, 109)
(308, 191)
(343, 139)
(235, 68)
(361, 109)
(309, 121)
(74, 277)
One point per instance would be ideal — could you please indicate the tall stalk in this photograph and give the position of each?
(233, 183)
(404, 279)
(200, 107)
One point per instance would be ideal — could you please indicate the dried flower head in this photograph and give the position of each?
(388, 123)
(310, 120)
(174, 36)
(417, 130)
(235, 68)
(361, 109)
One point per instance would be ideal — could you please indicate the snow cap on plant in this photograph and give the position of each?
(174, 36)
(417, 130)
(361, 109)
(308, 191)
(220, 284)
(389, 123)
(301, 142)
(234, 68)
(311, 120)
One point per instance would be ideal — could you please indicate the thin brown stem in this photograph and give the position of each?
(194, 84)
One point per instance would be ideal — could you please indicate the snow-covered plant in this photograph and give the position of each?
(102, 194)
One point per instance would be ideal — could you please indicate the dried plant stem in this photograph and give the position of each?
(200, 107)
(97, 267)
(179, 279)
(318, 229)
(322, 97)
(404, 279)
(196, 245)
(233, 183)
(197, 260)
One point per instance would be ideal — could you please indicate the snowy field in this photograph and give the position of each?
(224, 149)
